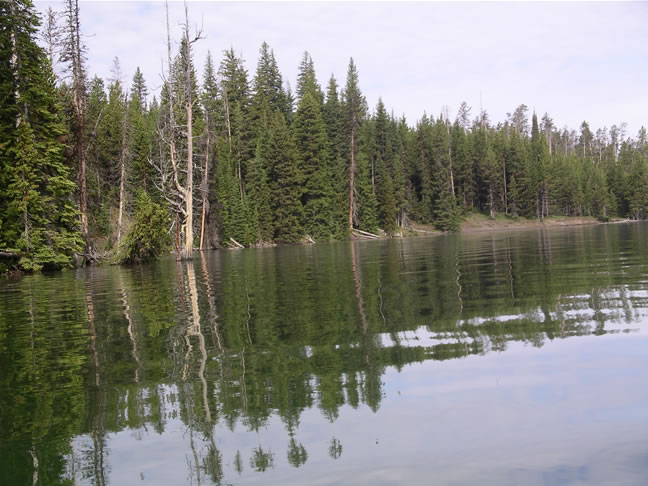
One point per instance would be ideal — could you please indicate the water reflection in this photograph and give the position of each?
(206, 361)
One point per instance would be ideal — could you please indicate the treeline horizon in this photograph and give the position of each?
(226, 158)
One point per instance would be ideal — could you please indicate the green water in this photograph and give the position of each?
(505, 359)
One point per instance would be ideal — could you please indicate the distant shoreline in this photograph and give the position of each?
(479, 223)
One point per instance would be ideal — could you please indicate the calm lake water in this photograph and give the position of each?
(506, 359)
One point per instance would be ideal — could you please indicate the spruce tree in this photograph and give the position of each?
(422, 174)
(306, 79)
(332, 116)
(35, 187)
(354, 112)
(638, 188)
(314, 165)
(400, 170)
(260, 217)
(382, 169)
(142, 133)
(284, 181)
(269, 95)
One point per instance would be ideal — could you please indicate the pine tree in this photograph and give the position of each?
(539, 170)
(638, 188)
(332, 116)
(142, 133)
(113, 130)
(422, 174)
(365, 197)
(236, 115)
(354, 111)
(382, 169)
(400, 178)
(269, 95)
(260, 217)
(73, 54)
(284, 181)
(306, 79)
(139, 90)
(40, 219)
(313, 160)
(210, 102)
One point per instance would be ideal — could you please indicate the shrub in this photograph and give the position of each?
(147, 237)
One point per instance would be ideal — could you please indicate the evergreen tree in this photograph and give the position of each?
(284, 177)
(422, 174)
(269, 95)
(236, 115)
(354, 112)
(307, 81)
(35, 188)
(365, 197)
(638, 188)
(400, 176)
(258, 191)
(332, 116)
(383, 167)
(142, 133)
(539, 169)
(139, 90)
(314, 166)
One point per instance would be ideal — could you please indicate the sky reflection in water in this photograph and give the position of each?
(515, 358)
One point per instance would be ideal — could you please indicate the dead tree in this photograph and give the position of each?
(73, 54)
(176, 181)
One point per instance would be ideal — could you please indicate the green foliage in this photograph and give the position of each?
(148, 236)
(285, 189)
(36, 192)
(447, 217)
(326, 167)
(314, 166)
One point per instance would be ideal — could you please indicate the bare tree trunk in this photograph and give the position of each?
(229, 141)
(177, 237)
(491, 201)
(188, 99)
(352, 179)
(122, 177)
(205, 183)
(75, 55)
(450, 158)
(505, 191)
(227, 119)
(14, 61)
(172, 146)
(51, 35)
(188, 250)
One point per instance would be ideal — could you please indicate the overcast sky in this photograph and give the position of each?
(575, 61)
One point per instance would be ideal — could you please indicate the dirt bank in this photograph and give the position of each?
(476, 223)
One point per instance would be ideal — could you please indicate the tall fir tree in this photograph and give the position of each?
(332, 115)
(284, 178)
(35, 187)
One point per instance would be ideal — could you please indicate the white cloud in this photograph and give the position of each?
(575, 61)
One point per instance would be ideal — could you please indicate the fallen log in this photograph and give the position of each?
(10, 255)
(236, 243)
(365, 233)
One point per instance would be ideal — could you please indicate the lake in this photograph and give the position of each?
(506, 358)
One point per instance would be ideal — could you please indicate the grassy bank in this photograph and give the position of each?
(476, 223)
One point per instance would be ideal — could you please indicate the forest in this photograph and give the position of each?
(98, 169)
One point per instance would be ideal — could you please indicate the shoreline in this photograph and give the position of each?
(473, 224)
(478, 223)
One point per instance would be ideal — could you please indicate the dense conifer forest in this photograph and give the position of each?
(226, 157)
